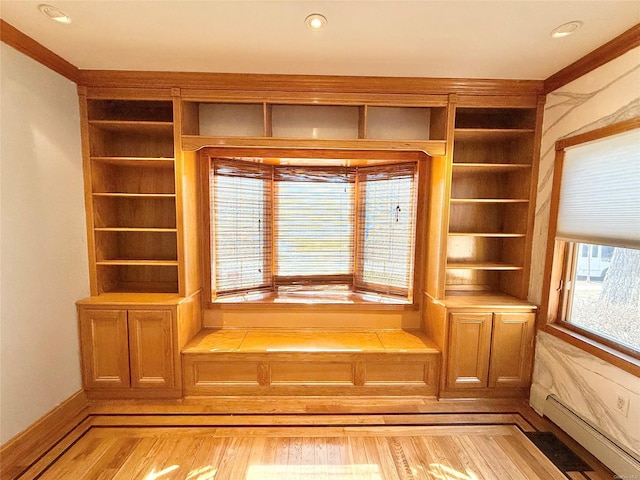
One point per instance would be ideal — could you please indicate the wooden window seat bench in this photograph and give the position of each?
(310, 362)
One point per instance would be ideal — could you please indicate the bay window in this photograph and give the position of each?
(280, 227)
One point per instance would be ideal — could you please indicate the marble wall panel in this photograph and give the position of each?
(585, 383)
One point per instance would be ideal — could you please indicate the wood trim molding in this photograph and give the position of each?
(598, 133)
(27, 447)
(610, 355)
(27, 45)
(598, 57)
(309, 84)
(433, 148)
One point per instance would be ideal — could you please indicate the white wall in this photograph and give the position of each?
(43, 241)
(608, 94)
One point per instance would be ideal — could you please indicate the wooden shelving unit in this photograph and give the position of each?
(143, 309)
(491, 200)
(142, 176)
(325, 125)
(133, 195)
(482, 320)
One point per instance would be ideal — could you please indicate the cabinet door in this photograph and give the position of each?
(151, 347)
(104, 346)
(469, 343)
(512, 350)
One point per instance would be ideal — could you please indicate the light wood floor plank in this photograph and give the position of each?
(378, 454)
(470, 464)
(138, 457)
(116, 457)
(361, 469)
(485, 469)
(526, 463)
(417, 456)
(207, 458)
(497, 456)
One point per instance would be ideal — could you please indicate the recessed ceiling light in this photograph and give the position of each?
(566, 29)
(54, 13)
(315, 21)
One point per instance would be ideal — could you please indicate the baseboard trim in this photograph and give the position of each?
(27, 447)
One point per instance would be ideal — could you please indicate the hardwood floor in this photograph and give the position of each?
(259, 453)
(308, 438)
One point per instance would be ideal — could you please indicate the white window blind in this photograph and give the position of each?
(314, 222)
(284, 225)
(600, 192)
(241, 226)
(387, 215)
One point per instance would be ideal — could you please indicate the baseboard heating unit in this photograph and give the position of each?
(619, 460)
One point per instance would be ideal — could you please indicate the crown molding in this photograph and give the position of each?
(308, 83)
(598, 57)
(38, 52)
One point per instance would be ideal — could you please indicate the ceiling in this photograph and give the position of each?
(454, 39)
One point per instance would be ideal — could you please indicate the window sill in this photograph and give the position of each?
(313, 300)
(604, 352)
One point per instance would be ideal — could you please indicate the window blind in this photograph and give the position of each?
(600, 192)
(314, 227)
(386, 218)
(241, 226)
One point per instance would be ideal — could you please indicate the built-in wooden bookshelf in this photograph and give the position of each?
(144, 216)
(491, 200)
(132, 191)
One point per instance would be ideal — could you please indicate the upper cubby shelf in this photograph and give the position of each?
(281, 125)
(126, 128)
(130, 110)
(495, 119)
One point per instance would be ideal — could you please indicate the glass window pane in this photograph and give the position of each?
(314, 227)
(606, 294)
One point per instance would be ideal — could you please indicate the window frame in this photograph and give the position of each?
(561, 263)
(355, 157)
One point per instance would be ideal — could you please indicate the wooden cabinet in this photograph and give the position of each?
(511, 350)
(124, 349)
(489, 350)
(151, 347)
(104, 341)
(130, 344)
(469, 349)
